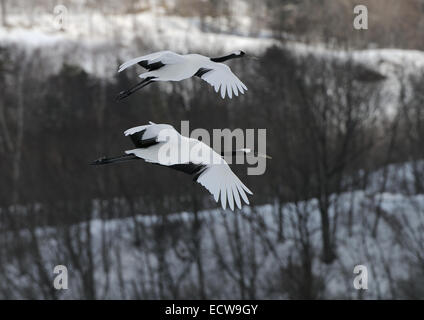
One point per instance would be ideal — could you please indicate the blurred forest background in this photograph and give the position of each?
(344, 116)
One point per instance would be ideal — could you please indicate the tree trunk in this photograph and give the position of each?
(197, 241)
(3, 13)
(328, 254)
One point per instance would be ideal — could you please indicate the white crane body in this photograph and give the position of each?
(170, 66)
(161, 144)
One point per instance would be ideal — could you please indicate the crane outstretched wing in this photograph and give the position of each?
(153, 61)
(222, 183)
(221, 76)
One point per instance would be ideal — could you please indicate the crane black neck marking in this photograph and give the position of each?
(225, 58)
(233, 153)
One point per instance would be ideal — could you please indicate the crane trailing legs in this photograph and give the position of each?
(130, 91)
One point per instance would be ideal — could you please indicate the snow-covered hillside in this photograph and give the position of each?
(118, 241)
(97, 42)
(395, 65)
(128, 268)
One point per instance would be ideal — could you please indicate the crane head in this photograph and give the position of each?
(239, 53)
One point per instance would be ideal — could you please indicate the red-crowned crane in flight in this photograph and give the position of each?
(161, 144)
(170, 66)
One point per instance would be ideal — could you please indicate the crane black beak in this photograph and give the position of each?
(262, 155)
(265, 156)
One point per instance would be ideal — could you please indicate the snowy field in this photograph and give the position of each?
(248, 239)
(259, 252)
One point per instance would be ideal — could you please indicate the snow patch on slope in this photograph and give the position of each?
(124, 36)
